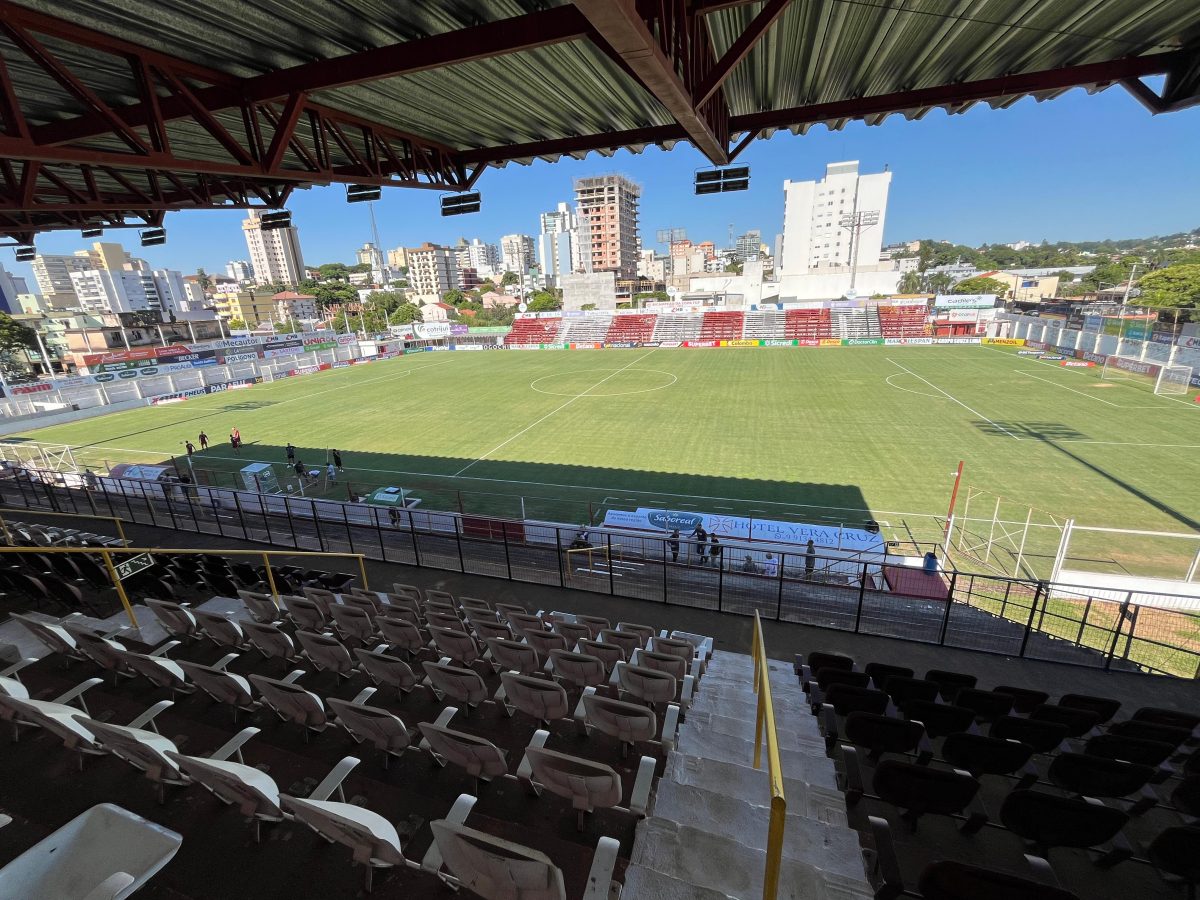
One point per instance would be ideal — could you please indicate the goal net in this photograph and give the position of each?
(1173, 380)
(1133, 371)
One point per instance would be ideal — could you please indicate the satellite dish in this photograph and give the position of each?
(522, 306)
(851, 294)
(672, 291)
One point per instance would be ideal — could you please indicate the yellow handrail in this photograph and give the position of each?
(589, 551)
(116, 520)
(106, 553)
(764, 721)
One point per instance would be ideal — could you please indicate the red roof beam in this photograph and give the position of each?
(739, 49)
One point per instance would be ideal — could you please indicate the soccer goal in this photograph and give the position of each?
(1156, 377)
(1173, 380)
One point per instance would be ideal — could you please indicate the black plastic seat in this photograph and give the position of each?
(1150, 731)
(939, 719)
(1172, 717)
(847, 698)
(881, 672)
(1050, 820)
(950, 683)
(1130, 749)
(815, 662)
(921, 790)
(827, 677)
(1177, 852)
(903, 690)
(1186, 796)
(983, 755)
(987, 705)
(883, 734)
(950, 880)
(1104, 707)
(1078, 721)
(1097, 776)
(1041, 736)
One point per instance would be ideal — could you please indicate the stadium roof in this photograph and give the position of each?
(115, 111)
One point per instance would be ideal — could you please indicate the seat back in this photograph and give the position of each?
(1177, 851)
(623, 639)
(1130, 749)
(904, 690)
(305, 613)
(145, 750)
(492, 628)
(444, 620)
(291, 701)
(55, 638)
(987, 705)
(881, 672)
(648, 685)
(372, 839)
(939, 719)
(371, 723)
(663, 662)
(433, 595)
(924, 789)
(983, 755)
(367, 601)
(326, 652)
(475, 603)
(1042, 736)
(1173, 717)
(1078, 721)
(608, 654)
(463, 685)
(408, 591)
(950, 683)
(536, 697)
(1025, 700)
(627, 722)
(224, 687)
(477, 756)
(496, 869)
(400, 633)
(1050, 820)
(573, 632)
(270, 640)
(103, 652)
(260, 606)
(585, 783)
(524, 624)
(158, 671)
(643, 632)
(846, 698)
(353, 621)
(251, 790)
(324, 599)
(685, 650)
(1104, 707)
(223, 631)
(384, 669)
(1096, 776)
(1151, 731)
(458, 645)
(951, 880)
(882, 734)
(819, 660)
(828, 676)
(595, 624)
(545, 641)
(514, 655)
(65, 722)
(175, 619)
(578, 669)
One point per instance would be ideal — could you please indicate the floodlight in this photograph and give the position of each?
(461, 204)
(719, 181)
(153, 236)
(91, 232)
(274, 221)
(358, 193)
(26, 252)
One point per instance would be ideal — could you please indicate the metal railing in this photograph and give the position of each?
(971, 611)
(764, 727)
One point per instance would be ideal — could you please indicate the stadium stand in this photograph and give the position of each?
(631, 328)
(721, 326)
(902, 321)
(534, 331)
(765, 325)
(585, 329)
(807, 324)
(677, 328)
(852, 322)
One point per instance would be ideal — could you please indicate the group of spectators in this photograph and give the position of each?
(708, 548)
(306, 474)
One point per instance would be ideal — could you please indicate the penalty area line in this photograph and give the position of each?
(951, 397)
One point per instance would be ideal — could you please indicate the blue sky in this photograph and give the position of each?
(1075, 168)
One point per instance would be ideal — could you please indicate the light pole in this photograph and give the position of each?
(855, 222)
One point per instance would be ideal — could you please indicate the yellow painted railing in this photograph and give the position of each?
(107, 554)
(764, 725)
(600, 551)
(116, 520)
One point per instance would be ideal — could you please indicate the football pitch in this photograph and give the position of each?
(817, 435)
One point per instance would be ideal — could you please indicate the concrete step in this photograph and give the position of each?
(697, 856)
(813, 768)
(741, 782)
(830, 848)
(744, 728)
(642, 883)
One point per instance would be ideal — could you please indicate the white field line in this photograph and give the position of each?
(356, 384)
(888, 382)
(1072, 390)
(556, 409)
(1129, 444)
(950, 396)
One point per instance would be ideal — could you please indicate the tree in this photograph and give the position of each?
(652, 295)
(454, 297)
(910, 282)
(510, 278)
(1172, 287)
(15, 337)
(405, 313)
(202, 280)
(333, 270)
(543, 301)
(938, 283)
(359, 267)
(982, 285)
(236, 325)
(288, 327)
(734, 267)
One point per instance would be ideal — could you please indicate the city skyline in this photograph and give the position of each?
(1031, 172)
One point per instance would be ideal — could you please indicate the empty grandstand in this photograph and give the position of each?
(534, 330)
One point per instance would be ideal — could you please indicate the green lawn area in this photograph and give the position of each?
(832, 435)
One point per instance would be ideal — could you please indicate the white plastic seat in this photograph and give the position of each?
(458, 645)
(702, 643)
(595, 624)
(400, 633)
(438, 619)
(627, 641)
(252, 790)
(513, 655)
(160, 672)
(326, 653)
(146, 750)
(545, 641)
(176, 620)
(536, 697)
(271, 641)
(353, 622)
(574, 632)
(463, 685)
(68, 723)
(525, 624)
(577, 669)
(11, 688)
(477, 756)
(384, 669)
(647, 685)
(670, 663)
(493, 628)
(305, 613)
(104, 652)
(433, 595)
(408, 591)
(643, 632)
(291, 702)
(53, 635)
(372, 839)
(105, 853)
(496, 869)
(627, 722)
(585, 783)
(224, 687)
(262, 607)
(221, 631)
(382, 729)
(326, 600)
(608, 654)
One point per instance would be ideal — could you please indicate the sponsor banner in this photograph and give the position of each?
(1189, 343)
(1195, 382)
(179, 396)
(899, 342)
(432, 331)
(342, 364)
(1163, 337)
(701, 343)
(227, 358)
(808, 343)
(1133, 365)
(344, 339)
(621, 345)
(1005, 342)
(466, 347)
(652, 344)
(829, 342)
(282, 351)
(314, 346)
(1078, 364)
(1029, 353)
(141, 353)
(960, 315)
(1098, 358)
(664, 520)
(1036, 345)
(1050, 356)
(741, 343)
(668, 344)
(1064, 350)
(863, 342)
(1093, 323)
(234, 343)
(33, 388)
(457, 329)
(965, 301)
(285, 344)
(957, 340)
(776, 343)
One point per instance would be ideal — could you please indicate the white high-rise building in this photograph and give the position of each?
(53, 271)
(171, 289)
(275, 254)
(432, 270)
(483, 258)
(516, 253)
(239, 270)
(10, 287)
(558, 250)
(115, 290)
(814, 239)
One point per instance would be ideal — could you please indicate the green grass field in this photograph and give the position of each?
(811, 435)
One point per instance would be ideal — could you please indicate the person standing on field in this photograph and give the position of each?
(701, 543)
(203, 441)
(331, 473)
(810, 560)
(337, 460)
(673, 545)
(715, 551)
(190, 447)
(770, 566)
(291, 453)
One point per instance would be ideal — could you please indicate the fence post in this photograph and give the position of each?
(349, 536)
(271, 578)
(287, 510)
(1037, 594)
(317, 524)
(1087, 609)
(507, 557)
(237, 501)
(1124, 613)
(412, 530)
(862, 596)
(949, 606)
(612, 588)
(558, 555)
(262, 507)
(779, 595)
(720, 580)
(462, 563)
(664, 560)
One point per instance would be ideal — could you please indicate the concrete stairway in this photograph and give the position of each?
(706, 835)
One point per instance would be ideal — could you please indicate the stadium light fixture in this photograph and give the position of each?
(153, 236)
(26, 252)
(273, 221)
(461, 204)
(361, 193)
(91, 232)
(720, 181)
